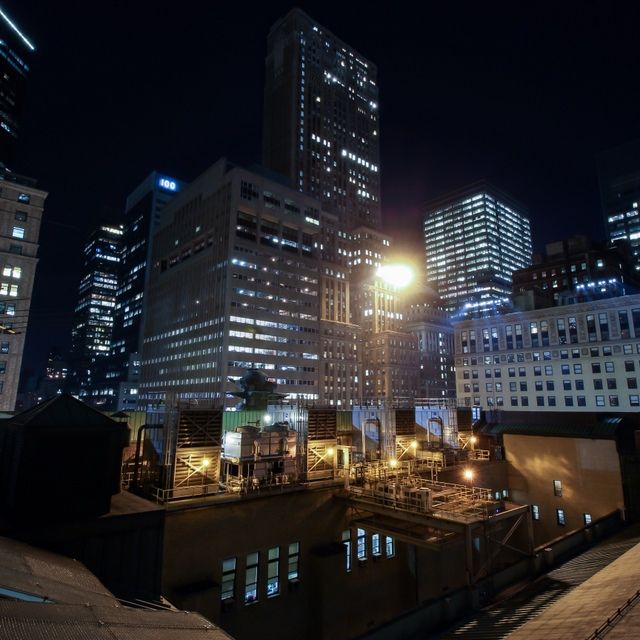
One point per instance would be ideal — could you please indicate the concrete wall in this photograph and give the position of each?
(327, 601)
(589, 471)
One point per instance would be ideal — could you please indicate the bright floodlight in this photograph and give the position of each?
(330, 451)
(468, 474)
(397, 275)
(393, 463)
(206, 462)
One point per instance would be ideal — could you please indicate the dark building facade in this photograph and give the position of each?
(21, 208)
(576, 270)
(321, 122)
(142, 215)
(429, 322)
(93, 322)
(15, 53)
(619, 178)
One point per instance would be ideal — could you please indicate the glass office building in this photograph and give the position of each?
(475, 239)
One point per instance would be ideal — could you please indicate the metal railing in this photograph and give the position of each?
(180, 493)
(418, 495)
(615, 618)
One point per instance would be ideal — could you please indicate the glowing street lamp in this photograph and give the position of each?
(396, 275)
(468, 475)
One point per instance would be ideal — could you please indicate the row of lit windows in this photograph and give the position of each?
(551, 401)
(376, 546)
(253, 570)
(538, 333)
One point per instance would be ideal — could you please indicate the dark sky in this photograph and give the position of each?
(523, 96)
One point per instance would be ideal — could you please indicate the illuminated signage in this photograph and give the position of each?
(168, 184)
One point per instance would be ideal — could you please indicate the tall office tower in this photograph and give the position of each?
(21, 206)
(475, 238)
(142, 216)
(429, 322)
(93, 321)
(389, 355)
(619, 178)
(15, 53)
(340, 374)
(321, 121)
(235, 284)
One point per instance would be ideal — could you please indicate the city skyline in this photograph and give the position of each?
(559, 99)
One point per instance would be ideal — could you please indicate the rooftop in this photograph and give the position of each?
(593, 605)
(43, 594)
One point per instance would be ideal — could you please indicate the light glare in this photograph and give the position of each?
(397, 275)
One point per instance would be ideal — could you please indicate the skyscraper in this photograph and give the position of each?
(93, 321)
(142, 216)
(321, 123)
(15, 52)
(475, 238)
(619, 178)
(234, 284)
(21, 206)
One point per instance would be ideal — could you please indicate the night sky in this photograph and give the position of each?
(468, 90)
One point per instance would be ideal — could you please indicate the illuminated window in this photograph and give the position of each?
(273, 569)
(18, 232)
(251, 578)
(535, 511)
(293, 564)
(361, 544)
(376, 548)
(557, 488)
(587, 518)
(346, 541)
(560, 517)
(228, 579)
(389, 546)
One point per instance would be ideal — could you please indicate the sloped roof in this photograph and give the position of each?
(28, 620)
(62, 411)
(43, 594)
(599, 431)
(600, 426)
(49, 576)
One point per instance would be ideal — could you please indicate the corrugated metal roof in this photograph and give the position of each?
(76, 606)
(27, 620)
(36, 572)
(602, 431)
